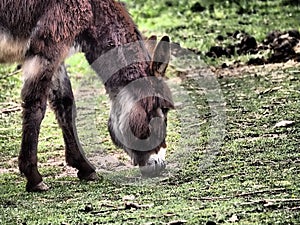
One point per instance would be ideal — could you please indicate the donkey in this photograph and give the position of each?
(41, 34)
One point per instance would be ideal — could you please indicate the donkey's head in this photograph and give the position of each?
(138, 118)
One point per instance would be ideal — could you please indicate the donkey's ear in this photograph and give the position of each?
(161, 57)
(150, 44)
(138, 122)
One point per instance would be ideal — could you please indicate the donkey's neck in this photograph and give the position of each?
(117, 51)
(112, 25)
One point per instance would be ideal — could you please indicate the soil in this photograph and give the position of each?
(279, 46)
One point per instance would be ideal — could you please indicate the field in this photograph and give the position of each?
(233, 139)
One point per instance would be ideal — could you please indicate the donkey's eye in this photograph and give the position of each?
(165, 110)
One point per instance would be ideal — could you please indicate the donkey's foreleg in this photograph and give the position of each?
(62, 102)
(37, 77)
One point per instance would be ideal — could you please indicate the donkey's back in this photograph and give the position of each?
(24, 24)
(18, 18)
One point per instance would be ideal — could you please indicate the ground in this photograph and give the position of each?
(233, 140)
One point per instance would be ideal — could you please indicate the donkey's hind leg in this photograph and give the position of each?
(61, 100)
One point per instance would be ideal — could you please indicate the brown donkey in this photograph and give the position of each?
(40, 34)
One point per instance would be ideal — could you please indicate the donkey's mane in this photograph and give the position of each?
(121, 35)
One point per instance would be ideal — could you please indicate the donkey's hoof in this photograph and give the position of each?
(40, 187)
(88, 177)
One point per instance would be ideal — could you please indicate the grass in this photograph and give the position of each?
(198, 30)
(252, 177)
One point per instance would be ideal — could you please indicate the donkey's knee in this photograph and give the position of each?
(61, 98)
(37, 74)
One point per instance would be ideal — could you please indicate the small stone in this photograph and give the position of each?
(224, 65)
(88, 208)
(220, 37)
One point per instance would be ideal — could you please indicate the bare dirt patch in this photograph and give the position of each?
(278, 46)
(10, 167)
(246, 70)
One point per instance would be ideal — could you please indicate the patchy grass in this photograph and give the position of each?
(253, 178)
(199, 30)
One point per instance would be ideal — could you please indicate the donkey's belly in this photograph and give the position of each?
(11, 49)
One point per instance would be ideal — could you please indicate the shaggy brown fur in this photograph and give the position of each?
(39, 34)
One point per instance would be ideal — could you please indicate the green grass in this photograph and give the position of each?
(253, 178)
(198, 30)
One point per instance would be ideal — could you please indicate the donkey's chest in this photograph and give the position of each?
(12, 49)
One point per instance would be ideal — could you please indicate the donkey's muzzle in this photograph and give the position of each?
(153, 167)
